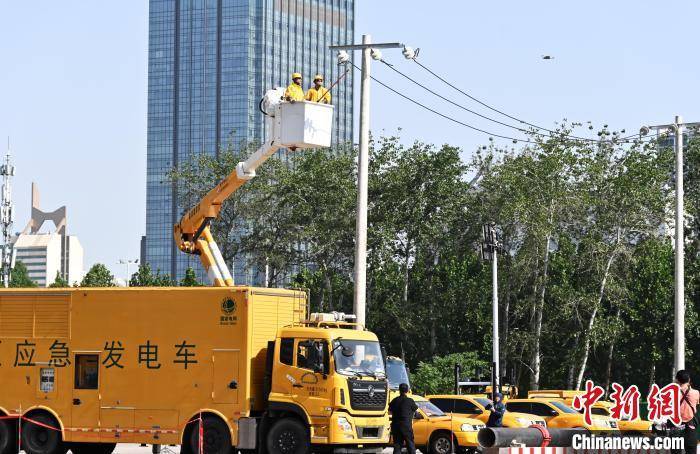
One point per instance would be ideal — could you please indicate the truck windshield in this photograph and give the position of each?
(357, 357)
(396, 373)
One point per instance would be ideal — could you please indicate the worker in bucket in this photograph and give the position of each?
(402, 409)
(498, 409)
(318, 93)
(294, 91)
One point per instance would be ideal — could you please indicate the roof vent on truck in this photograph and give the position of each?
(321, 317)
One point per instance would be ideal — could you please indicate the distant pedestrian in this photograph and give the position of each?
(498, 409)
(689, 405)
(402, 409)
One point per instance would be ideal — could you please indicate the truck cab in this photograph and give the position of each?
(328, 380)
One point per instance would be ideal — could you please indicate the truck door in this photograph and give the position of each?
(85, 410)
(311, 389)
(225, 376)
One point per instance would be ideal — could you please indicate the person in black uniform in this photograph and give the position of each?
(498, 409)
(402, 409)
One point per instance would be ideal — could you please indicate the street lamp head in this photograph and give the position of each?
(343, 57)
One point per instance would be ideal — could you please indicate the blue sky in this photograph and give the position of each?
(73, 87)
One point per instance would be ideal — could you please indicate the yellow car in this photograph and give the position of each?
(435, 431)
(475, 407)
(600, 408)
(559, 415)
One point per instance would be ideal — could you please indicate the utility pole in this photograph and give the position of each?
(677, 128)
(490, 252)
(7, 215)
(369, 51)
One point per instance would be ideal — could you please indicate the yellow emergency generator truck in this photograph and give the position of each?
(88, 368)
(214, 369)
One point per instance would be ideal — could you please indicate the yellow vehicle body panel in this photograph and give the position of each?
(425, 426)
(138, 365)
(510, 419)
(561, 419)
(603, 408)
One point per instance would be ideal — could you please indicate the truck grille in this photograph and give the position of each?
(368, 395)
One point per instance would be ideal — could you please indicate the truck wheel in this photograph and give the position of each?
(92, 448)
(217, 436)
(41, 440)
(288, 436)
(441, 443)
(8, 438)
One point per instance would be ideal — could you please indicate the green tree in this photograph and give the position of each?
(59, 281)
(437, 375)
(19, 277)
(190, 279)
(98, 276)
(144, 277)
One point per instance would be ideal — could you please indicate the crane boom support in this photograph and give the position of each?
(292, 126)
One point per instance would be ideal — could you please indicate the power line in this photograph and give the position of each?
(447, 117)
(446, 82)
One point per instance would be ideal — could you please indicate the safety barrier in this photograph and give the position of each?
(24, 419)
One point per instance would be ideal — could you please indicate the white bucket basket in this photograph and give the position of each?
(303, 124)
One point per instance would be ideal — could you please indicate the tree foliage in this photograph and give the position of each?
(19, 276)
(585, 273)
(145, 277)
(59, 281)
(98, 276)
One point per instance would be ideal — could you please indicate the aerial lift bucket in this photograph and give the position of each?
(303, 124)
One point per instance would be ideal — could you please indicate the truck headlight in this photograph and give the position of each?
(344, 425)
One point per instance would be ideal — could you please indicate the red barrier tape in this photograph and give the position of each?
(546, 437)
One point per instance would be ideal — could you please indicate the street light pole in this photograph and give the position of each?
(369, 51)
(128, 263)
(490, 252)
(677, 127)
(679, 304)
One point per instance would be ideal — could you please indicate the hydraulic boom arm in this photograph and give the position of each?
(298, 125)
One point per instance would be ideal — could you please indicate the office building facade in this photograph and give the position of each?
(209, 63)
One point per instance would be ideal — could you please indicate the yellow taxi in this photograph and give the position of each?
(600, 408)
(434, 431)
(559, 415)
(475, 407)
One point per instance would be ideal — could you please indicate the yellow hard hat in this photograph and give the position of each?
(296, 76)
(318, 77)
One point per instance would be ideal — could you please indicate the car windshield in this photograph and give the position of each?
(396, 373)
(484, 402)
(429, 409)
(563, 407)
(357, 357)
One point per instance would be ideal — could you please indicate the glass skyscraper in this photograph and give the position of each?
(209, 63)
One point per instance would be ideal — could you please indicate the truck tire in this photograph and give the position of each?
(8, 437)
(41, 440)
(217, 436)
(288, 436)
(441, 443)
(92, 448)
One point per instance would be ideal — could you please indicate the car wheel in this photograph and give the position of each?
(441, 444)
(288, 436)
